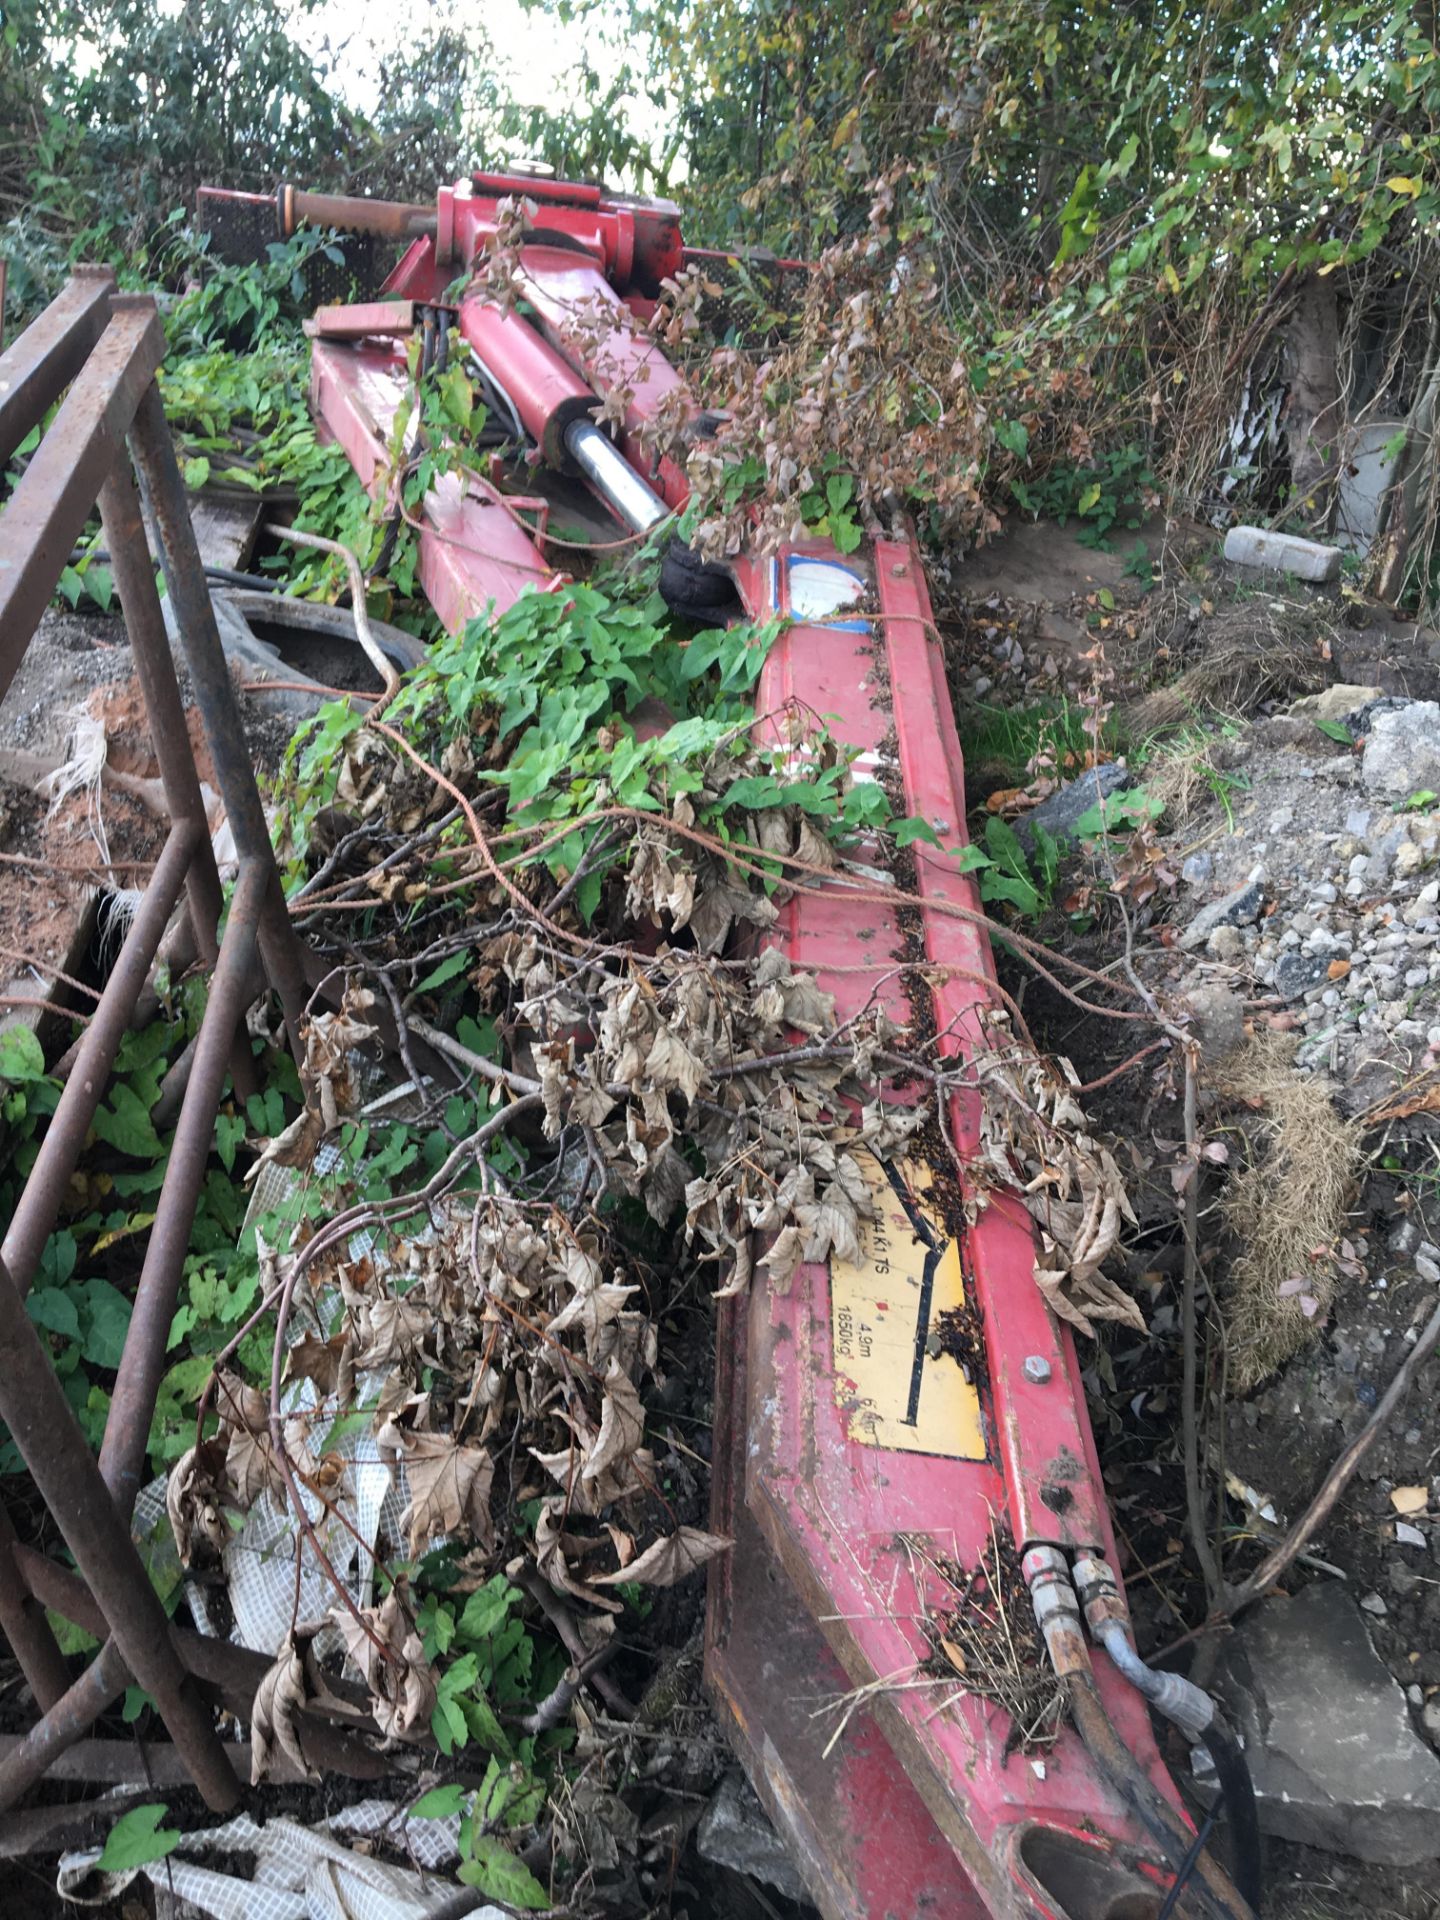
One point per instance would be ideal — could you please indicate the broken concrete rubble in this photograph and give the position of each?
(1282, 553)
(1332, 1750)
(1068, 804)
(1237, 909)
(1217, 1019)
(1402, 753)
(735, 1833)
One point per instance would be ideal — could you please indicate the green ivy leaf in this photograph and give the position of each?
(440, 1803)
(124, 1123)
(137, 1840)
(136, 1701)
(494, 1871)
(21, 1056)
(106, 1322)
(448, 969)
(48, 1307)
(487, 1609)
(229, 1135)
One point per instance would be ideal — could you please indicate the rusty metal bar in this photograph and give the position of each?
(127, 1425)
(50, 352)
(390, 219)
(134, 577)
(234, 1672)
(47, 511)
(33, 1406)
(68, 1720)
(40, 1198)
(80, 459)
(214, 692)
(23, 1622)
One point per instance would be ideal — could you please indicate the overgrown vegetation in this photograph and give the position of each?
(1035, 232)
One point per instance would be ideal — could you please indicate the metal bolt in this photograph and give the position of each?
(1036, 1369)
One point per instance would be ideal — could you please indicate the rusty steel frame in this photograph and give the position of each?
(109, 429)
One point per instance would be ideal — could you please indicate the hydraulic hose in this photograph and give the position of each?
(1214, 1894)
(1171, 1694)
(1198, 1718)
(1057, 1614)
(1237, 1790)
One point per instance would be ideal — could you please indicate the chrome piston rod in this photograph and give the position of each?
(612, 476)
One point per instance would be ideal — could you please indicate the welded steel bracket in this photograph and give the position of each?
(109, 429)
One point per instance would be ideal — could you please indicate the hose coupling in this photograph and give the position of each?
(1057, 1611)
(1099, 1592)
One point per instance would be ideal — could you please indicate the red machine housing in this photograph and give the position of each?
(877, 1437)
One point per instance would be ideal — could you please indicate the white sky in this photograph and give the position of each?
(535, 51)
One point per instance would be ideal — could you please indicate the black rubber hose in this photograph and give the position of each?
(1238, 1792)
(1187, 1865)
(1211, 1890)
(225, 576)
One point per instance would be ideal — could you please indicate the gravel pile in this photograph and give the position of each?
(1314, 869)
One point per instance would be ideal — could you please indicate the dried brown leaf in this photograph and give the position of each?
(622, 1426)
(680, 1553)
(388, 1652)
(194, 1500)
(449, 1486)
(279, 1702)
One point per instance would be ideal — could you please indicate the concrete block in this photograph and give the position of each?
(1282, 553)
(1335, 1759)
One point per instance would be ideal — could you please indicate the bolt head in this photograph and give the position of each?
(1036, 1369)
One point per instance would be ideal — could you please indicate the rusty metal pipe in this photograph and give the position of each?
(40, 1198)
(214, 692)
(67, 1721)
(33, 1406)
(390, 219)
(124, 532)
(50, 352)
(134, 574)
(47, 511)
(234, 1672)
(132, 1405)
(23, 1622)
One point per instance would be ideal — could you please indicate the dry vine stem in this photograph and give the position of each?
(1338, 1478)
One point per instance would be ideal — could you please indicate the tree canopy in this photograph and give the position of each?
(1137, 219)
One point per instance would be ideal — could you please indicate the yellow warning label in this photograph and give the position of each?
(899, 1389)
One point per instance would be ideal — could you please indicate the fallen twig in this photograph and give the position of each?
(1339, 1476)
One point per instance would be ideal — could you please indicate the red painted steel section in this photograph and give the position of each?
(861, 1836)
(548, 393)
(832, 1508)
(945, 1830)
(474, 553)
(590, 324)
